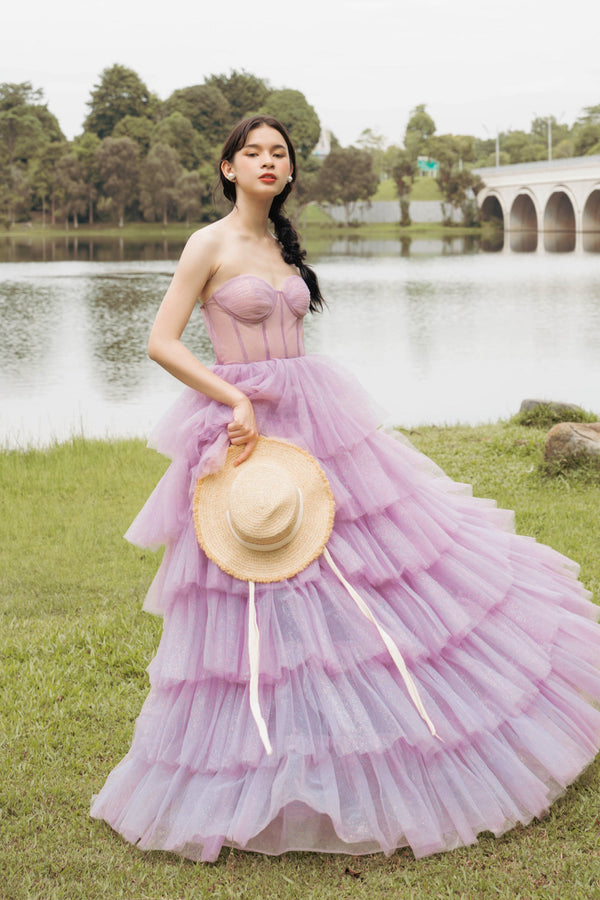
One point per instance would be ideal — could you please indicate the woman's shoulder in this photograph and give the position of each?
(210, 237)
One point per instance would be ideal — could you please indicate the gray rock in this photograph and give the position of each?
(559, 409)
(572, 440)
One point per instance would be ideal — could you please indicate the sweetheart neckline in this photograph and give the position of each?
(258, 278)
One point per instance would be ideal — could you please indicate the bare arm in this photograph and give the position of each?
(197, 264)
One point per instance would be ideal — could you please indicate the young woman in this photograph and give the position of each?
(423, 674)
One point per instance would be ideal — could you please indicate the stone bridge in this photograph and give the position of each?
(561, 195)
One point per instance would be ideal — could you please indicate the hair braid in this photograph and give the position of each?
(293, 254)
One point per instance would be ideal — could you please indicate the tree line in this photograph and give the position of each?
(140, 157)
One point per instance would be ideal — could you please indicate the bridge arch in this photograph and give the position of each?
(492, 209)
(591, 211)
(523, 212)
(559, 214)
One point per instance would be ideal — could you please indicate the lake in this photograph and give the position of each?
(440, 331)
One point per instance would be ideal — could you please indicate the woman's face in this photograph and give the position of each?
(263, 164)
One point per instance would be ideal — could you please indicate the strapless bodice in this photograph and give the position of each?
(249, 320)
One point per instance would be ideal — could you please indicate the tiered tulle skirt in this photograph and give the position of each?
(496, 631)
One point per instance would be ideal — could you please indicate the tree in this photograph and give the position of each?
(25, 123)
(306, 187)
(160, 174)
(374, 144)
(42, 176)
(403, 173)
(459, 190)
(121, 92)
(591, 115)
(15, 195)
(245, 93)
(206, 108)
(191, 193)
(293, 110)
(585, 137)
(71, 187)
(118, 169)
(178, 132)
(419, 128)
(85, 146)
(138, 128)
(346, 177)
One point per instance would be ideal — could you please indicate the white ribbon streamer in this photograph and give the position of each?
(253, 652)
(389, 643)
(254, 648)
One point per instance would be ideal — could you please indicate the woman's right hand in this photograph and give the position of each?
(242, 429)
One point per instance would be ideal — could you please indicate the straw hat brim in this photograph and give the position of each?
(214, 534)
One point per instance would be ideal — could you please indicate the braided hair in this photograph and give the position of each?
(286, 234)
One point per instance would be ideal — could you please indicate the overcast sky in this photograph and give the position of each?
(477, 65)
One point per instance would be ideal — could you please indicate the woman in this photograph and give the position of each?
(457, 708)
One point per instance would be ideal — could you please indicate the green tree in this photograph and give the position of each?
(246, 93)
(120, 92)
(539, 131)
(419, 128)
(206, 108)
(85, 146)
(523, 147)
(306, 187)
(346, 177)
(138, 128)
(585, 137)
(15, 194)
(160, 174)
(178, 132)
(118, 170)
(403, 173)
(43, 180)
(71, 187)
(25, 123)
(564, 149)
(293, 110)
(459, 189)
(192, 193)
(591, 115)
(374, 144)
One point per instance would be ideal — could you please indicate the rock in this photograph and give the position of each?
(551, 406)
(572, 440)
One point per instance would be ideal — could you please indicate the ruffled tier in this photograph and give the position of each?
(496, 632)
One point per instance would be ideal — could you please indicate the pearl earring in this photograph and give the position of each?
(290, 179)
(231, 177)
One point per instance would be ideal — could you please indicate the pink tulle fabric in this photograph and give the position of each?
(497, 633)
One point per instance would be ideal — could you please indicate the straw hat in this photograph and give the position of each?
(268, 518)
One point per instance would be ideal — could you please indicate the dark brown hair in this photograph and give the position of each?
(285, 232)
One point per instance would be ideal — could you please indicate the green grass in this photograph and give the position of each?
(422, 189)
(73, 650)
(545, 415)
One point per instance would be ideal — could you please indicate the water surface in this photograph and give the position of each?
(439, 332)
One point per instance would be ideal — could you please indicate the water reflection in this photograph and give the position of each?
(435, 334)
(523, 241)
(120, 312)
(559, 241)
(591, 241)
(118, 249)
(492, 241)
(100, 249)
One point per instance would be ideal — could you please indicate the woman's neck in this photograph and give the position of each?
(251, 215)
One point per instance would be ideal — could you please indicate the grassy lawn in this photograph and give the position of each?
(74, 646)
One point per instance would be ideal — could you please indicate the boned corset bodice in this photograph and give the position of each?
(249, 320)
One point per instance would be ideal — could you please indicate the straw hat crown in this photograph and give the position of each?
(267, 519)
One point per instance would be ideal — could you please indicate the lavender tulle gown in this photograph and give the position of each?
(496, 631)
